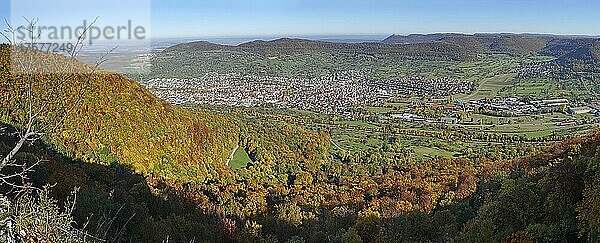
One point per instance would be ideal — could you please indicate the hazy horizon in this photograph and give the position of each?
(234, 18)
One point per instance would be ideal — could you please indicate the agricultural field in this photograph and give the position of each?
(448, 127)
(491, 87)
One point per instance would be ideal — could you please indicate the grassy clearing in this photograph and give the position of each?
(541, 88)
(356, 140)
(427, 152)
(240, 159)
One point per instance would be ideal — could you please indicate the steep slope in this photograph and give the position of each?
(578, 52)
(583, 53)
(551, 195)
(517, 45)
(596, 50)
(114, 193)
(511, 44)
(548, 196)
(119, 121)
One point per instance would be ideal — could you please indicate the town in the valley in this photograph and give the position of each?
(347, 93)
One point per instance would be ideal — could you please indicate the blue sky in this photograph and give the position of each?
(192, 18)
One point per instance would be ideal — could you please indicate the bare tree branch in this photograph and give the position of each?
(45, 94)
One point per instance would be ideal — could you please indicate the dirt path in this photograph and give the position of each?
(231, 156)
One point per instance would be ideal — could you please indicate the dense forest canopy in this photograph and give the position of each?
(167, 166)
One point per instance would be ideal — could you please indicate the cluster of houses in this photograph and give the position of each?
(542, 69)
(338, 93)
(424, 87)
(333, 94)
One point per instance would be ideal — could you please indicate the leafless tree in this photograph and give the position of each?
(43, 92)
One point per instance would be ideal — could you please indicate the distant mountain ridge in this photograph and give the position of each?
(579, 52)
(291, 46)
(568, 49)
(420, 38)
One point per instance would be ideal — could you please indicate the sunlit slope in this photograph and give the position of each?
(119, 121)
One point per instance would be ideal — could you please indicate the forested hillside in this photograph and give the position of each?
(167, 167)
(298, 58)
(499, 43)
(549, 196)
(287, 47)
(293, 57)
(120, 121)
(570, 50)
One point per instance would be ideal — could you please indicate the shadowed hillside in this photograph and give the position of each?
(113, 202)
(551, 195)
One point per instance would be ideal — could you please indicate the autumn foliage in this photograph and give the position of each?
(298, 187)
